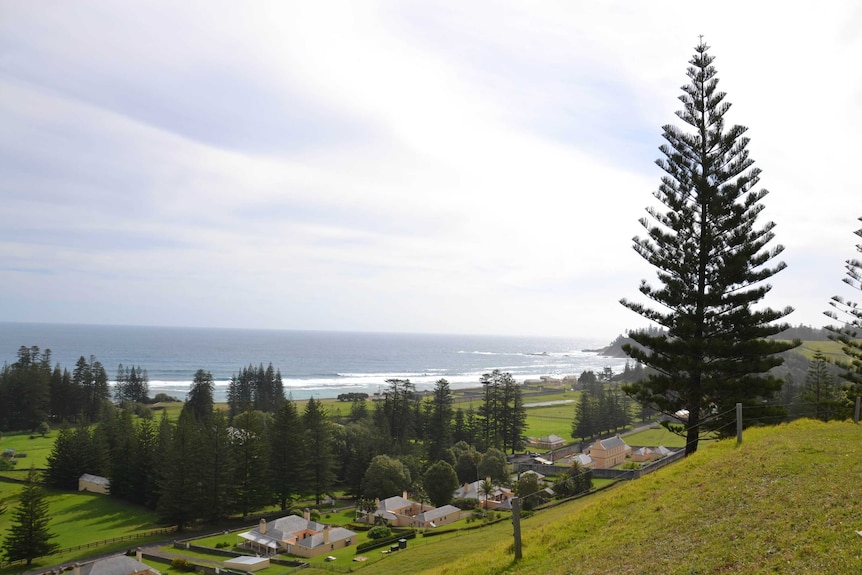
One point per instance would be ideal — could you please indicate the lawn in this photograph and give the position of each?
(551, 420)
(83, 519)
(36, 450)
(655, 436)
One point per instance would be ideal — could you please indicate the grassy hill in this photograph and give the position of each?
(785, 501)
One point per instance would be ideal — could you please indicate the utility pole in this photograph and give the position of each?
(738, 423)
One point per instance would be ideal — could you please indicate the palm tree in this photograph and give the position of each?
(486, 489)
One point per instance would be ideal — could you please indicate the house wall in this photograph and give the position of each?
(324, 549)
(440, 521)
(607, 458)
(93, 487)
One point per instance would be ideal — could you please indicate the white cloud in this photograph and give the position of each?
(476, 167)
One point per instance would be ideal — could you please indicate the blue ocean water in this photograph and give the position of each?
(312, 363)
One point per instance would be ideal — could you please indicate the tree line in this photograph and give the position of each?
(209, 464)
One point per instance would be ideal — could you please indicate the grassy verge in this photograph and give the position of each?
(783, 502)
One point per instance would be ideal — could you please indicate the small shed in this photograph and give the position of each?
(247, 563)
(94, 484)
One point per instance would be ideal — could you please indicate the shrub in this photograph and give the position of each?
(379, 532)
(182, 565)
(464, 504)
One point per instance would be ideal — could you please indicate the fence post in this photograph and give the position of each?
(516, 525)
(738, 423)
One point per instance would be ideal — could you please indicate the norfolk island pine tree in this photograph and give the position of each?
(711, 262)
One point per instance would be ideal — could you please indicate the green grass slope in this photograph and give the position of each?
(786, 501)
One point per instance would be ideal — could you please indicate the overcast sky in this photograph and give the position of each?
(459, 167)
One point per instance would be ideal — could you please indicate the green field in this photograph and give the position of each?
(35, 447)
(82, 519)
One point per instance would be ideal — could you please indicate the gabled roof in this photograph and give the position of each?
(471, 491)
(552, 439)
(95, 479)
(116, 565)
(436, 513)
(611, 442)
(394, 503)
(583, 459)
(642, 451)
(283, 529)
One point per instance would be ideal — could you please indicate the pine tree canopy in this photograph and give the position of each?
(712, 262)
(847, 333)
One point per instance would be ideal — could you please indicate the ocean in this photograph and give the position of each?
(321, 364)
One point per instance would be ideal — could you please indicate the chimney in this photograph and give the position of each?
(306, 514)
(139, 555)
(326, 534)
(76, 569)
(262, 528)
(404, 494)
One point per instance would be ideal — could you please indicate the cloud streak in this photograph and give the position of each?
(478, 167)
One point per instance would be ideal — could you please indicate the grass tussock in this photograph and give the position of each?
(785, 501)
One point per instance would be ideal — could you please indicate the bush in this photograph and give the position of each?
(143, 411)
(379, 532)
(182, 565)
(465, 504)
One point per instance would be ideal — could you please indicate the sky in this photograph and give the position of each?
(431, 167)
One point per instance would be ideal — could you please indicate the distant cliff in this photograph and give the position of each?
(615, 348)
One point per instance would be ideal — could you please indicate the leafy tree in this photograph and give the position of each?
(466, 462)
(577, 479)
(711, 264)
(849, 315)
(319, 442)
(494, 465)
(287, 457)
(440, 482)
(385, 477)
(528, 489)
(29, 537)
